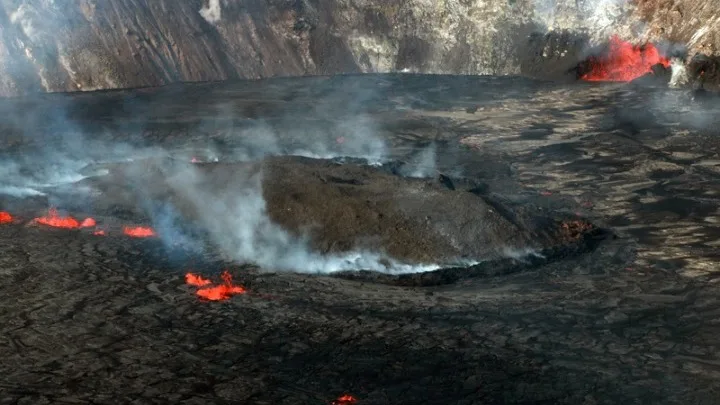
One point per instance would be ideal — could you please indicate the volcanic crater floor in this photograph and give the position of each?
(613, 187)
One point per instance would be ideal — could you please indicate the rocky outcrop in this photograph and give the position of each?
(692, 24)
(93, 44)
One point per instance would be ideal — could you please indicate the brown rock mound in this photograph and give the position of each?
(340, 207)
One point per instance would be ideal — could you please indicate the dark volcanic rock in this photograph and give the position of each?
(659, 75)
(704, 72)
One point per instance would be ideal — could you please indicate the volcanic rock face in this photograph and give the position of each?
(691, 23)
(89, 44)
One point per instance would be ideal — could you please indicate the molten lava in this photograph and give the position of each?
(215, 293)
(623, 62)
(55, 220)
(195, 280)
(99, 232)
(88, 223)
(138, 231)
(345, 400)
(5, 217)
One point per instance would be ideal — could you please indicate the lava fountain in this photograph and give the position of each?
(623, 62)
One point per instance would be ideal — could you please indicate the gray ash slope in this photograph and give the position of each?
(629, 321)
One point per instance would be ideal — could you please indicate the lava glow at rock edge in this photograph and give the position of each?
(624, 62)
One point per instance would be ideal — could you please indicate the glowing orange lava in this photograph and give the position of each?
(99, 233)
(88, 223)
(623, 62)
(195, 280)
(345, 400)
(5, 217)
(138, 231)
(55, 220)
(215, 293)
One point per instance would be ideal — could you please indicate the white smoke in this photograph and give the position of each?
(212, 11)
(26, 18)
(20, 192)
(354, 137)
(423, 165)
(597, 18)
(679, 77)
(58, 171)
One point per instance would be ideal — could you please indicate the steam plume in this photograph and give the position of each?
(679, 76)
(212, 12)
(423, 164)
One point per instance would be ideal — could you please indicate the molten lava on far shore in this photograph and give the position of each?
(139, 231)
(220, 292)
(88, 223)
(622, 62)
(5, 217)
(345, 400)
(55, 220)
